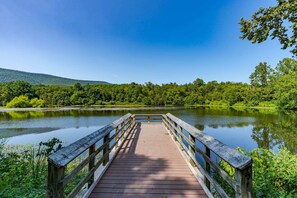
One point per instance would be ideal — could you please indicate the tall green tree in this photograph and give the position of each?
(262, 75)
(286, 66)
(277, 22)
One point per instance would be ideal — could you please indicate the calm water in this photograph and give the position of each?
(246, 128)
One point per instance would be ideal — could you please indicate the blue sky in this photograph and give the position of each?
(123, 41)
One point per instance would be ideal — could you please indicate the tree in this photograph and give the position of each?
(278, 22)
(61, 98)
(37, 103)
(78, 87)
(79, 98)
(286, 66)
(19, 88)
(261, 76)
(19, 102)
(198, 82)
(286, 92)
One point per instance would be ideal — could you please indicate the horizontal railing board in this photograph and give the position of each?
(146, 115)
(219, 170)
(232, 156)
(65, 155)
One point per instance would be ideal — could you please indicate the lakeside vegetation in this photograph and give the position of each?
(23, 171)
(269, 87)
(274, 175)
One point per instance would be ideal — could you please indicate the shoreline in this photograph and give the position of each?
(109, 108)
(124, 107)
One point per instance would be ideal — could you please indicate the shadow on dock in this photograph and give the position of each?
(148, 165)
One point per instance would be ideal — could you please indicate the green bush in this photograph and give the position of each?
(23, 171)
(219, 103)
(288, 100)
(267, 104)
(19, 102)
(274, 175)
(239, 105)
(35, 102)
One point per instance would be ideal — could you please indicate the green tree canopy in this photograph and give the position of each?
(278, 22)
(262, 74)
(286, 66)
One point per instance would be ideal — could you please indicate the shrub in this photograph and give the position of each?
(267, 104)
(19, 102)
(219, 103)
(274, 175)
(24, 168)
(38, 103)
(240, 105)
(23, 171)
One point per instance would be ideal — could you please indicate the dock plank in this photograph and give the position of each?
(148, 165)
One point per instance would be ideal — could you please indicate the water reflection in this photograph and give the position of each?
(245, 128)
(67, 136)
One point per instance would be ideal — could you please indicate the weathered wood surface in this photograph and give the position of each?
(242, 184)
(232, 156)
(64, 156)
(148, 165)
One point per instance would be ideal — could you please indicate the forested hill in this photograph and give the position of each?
(7, 75)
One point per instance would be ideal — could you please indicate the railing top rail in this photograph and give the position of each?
(67, 154)
(147, 114)
(232, 156)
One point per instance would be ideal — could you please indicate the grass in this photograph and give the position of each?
(23, 169)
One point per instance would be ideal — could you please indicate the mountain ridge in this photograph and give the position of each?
(9, 75)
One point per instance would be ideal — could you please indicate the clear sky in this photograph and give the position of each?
(123, 41)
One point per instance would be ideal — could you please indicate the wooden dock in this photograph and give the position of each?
(149, 155)
(148, 165)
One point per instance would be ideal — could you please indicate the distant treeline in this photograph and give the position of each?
(269, 87)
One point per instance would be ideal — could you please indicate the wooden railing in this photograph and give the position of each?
(98, 145)
(148, 117)
(191, 141)
(189, 138)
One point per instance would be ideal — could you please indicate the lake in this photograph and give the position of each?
(247, 129)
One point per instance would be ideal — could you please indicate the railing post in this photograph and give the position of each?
(163, 121)
(117, 137)
(166, 123)
(243, 179)
(122, 129)
(207, 166)
(192, 150)
(148, 119)
(129, 124)
(134, 120)
(174, 131)
(106, 149)
(91, 163)
(180, 136)
(55, 188)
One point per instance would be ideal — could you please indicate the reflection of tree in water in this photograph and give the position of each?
(270, 128)
(200, 127)
(23, 115)
(282, 131)
(263, 137)
(286, 130)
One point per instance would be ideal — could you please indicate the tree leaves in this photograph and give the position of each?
(278, 22)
